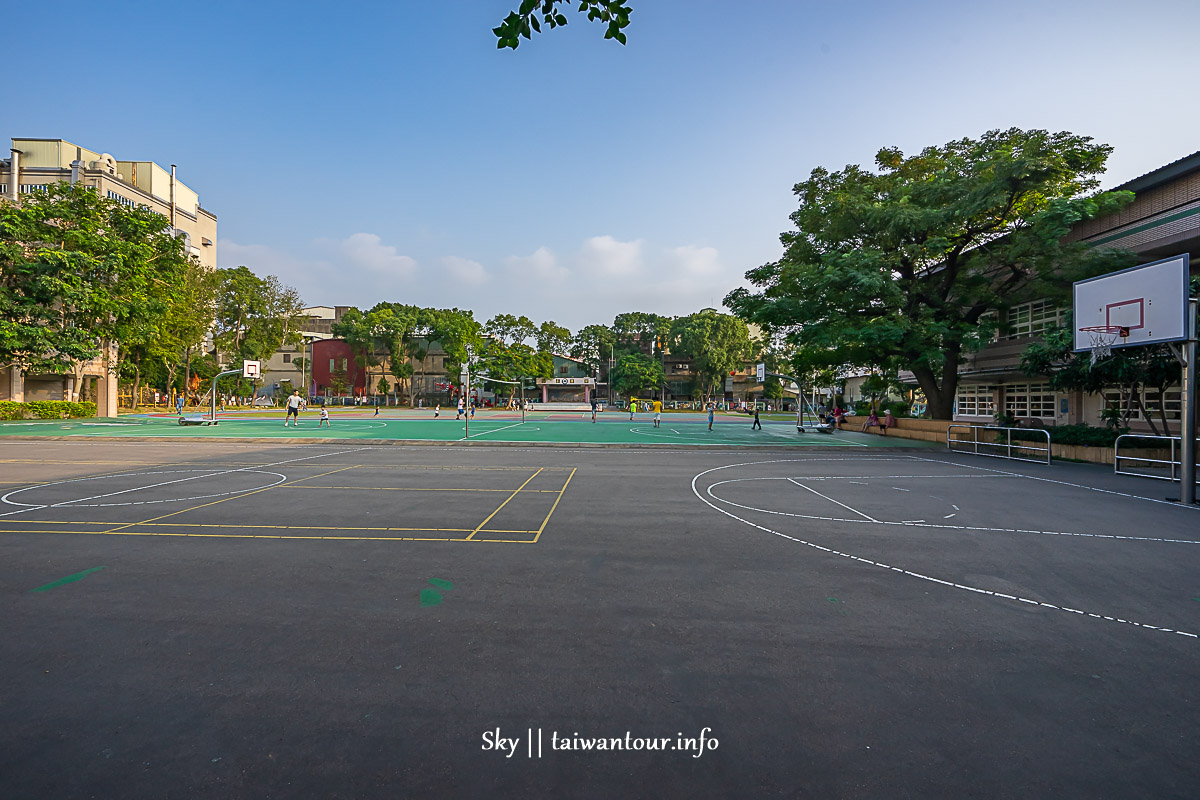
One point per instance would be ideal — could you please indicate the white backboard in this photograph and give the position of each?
(251, 369)
(760, 372)
(1150, 301)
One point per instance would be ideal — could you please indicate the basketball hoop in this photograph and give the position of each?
(1103, 337)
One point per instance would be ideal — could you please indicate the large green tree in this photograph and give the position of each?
(716, 343)
(898, 268)
(532, 14)
(635, 374)
(78, 270)
(255, 316)
(591, 346)
(639, 331)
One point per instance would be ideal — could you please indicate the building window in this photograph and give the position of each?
(26, 188)
(331, 366)
(344, 365)
(976, 401)
(287, 358)
(1032, 319)
(1029, 400)
(1169, 401)
(563, 370)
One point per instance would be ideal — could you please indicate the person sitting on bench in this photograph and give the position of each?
(872, 421)
(888, 422)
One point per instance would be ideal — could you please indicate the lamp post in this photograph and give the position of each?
(611, 361)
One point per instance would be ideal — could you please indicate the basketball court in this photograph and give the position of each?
(235, 612)
(539, 427)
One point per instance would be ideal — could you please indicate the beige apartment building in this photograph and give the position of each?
(34, 164)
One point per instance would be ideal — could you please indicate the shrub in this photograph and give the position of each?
(46, 409)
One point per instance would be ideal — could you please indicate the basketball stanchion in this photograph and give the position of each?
(1146, 305)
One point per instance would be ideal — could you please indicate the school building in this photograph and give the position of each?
(1163, 221)
(35, 164)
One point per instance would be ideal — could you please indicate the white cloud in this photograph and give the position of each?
(465, 271)
(690, 260)
(604, 255)
(541, 265)
(591, 283)
(367, 250)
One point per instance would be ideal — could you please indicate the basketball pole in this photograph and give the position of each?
(1187, 457)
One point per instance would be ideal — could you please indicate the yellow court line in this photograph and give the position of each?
(418, 489)
(247, 527)
(502, 505)
(560, 494)
(283, 536)
(434, 467)
(234, 497)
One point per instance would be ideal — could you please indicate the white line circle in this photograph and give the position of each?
(889, 567)
(65, 503)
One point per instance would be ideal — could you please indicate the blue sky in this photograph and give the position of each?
(388, 151)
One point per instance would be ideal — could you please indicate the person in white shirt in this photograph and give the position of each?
(293, 409)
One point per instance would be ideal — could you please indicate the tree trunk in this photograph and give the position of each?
(187, 373)
(1149, 417)
(935, 396)
(137, 382)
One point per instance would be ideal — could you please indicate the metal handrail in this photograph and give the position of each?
(1174, 463)
(1007, 445)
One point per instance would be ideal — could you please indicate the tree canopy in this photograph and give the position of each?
(78, 269)
(717, 343)
(899, 268)
(532, 14)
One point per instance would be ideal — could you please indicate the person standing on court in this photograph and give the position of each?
(293, 409)
(595, 406)
(657, 406)
(179, 404)
(710, 416)
(632, 408)
(757, 425)
(458, 416)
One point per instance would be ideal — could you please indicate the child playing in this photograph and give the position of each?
(324, 418)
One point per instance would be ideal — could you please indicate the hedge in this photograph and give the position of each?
(46, 409)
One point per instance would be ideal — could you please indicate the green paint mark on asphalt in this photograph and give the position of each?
(66, 580)
(430, 597)
(833, 599)
(441, 584)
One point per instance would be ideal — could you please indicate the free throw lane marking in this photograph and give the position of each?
(560, 494)
(830, 499)
(502, 505)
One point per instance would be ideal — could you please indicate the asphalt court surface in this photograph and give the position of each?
(323, 495)
(246, 620)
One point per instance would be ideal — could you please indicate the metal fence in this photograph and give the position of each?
(1168, 467)
(1000, 444)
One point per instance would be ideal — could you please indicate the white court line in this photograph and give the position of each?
(830, 499)
(5, 499)
(485, 433)
(923, 524)
(1171, 503)
(901, 570)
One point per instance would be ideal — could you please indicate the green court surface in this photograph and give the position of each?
(553, 427)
